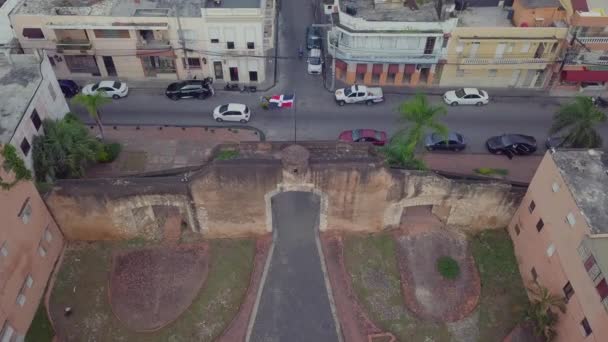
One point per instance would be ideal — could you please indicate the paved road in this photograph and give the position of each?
(294, 305)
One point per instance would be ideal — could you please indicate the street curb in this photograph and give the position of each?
(260, 133)
(328, 288)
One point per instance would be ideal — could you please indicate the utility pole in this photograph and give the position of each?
(295, 118)
(182, 41)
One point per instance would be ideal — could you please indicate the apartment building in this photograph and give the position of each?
(586, 59)
(30, 244)
(390, 42)
(6, 31)
(150, 39)
(29, 93)
(499, 46)
(560, 236)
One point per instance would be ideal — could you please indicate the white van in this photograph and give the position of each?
(314, 62)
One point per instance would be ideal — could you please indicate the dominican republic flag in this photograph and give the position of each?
(282, 101)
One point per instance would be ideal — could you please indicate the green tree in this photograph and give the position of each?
(92, 103)
(540, 311)
(579, 119)
(421, 116)
(64, 150)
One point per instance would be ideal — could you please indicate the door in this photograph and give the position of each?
(234, 74)
(219, 71)
(514, 78)
(109, 64)
(352, 98)
(473, 51)
(528, 80)
(500, 50)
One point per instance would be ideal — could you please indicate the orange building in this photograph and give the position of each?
(30, 243)
(560, 235)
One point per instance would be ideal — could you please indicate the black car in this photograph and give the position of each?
(454, 142)
(69, 88)
(199, 89)
(511, 144)
(313, 37)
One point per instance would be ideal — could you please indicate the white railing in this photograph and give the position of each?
(484, 61)
(593, 40)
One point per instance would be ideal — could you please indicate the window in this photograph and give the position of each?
(41, 251)
(568, 291)
(554, 47)
(429, 46)
(230, 45)
(7, 332)
(586, 328)
(52, 92)
(583, 252)
(21, 299)
(602, 288)
(33, 33)
(517, 231)
(193, 62)
(525, 47)
(253, 76)
(550, 250)
(539, 225)
(459, 72)
(29, 281)
(4, 249)
(48, 236)
(250, 45)
(534, 274)
(189, 34)
(26, 211)
(25, 146)
(531, 207)
(111, 33)
(460, 47)
(215, 41)
(492, 72)
(555, 187)
(444, 44)
(36, 120)
(570, 219)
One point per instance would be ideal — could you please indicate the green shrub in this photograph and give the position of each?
(109, 153)
(226, 154)
(448, 267)
(12, 162)
(488, 171)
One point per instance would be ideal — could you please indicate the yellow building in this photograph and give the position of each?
(487, 50)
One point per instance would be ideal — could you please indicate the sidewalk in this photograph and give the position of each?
(520, 169)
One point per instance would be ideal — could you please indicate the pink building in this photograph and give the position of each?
(560, 234)
(30, 243)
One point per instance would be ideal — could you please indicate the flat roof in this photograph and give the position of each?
(128, 8)
(395, 11)
(586, 173)
(18, 84)
(484, 17)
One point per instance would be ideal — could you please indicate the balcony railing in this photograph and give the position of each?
(153, 44)
(485, 61)
(593, 40)
(73, 44)
(388, 56)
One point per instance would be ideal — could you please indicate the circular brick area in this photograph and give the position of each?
(428, 294)
(151, 287)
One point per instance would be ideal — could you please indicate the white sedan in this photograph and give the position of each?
(232, 112)
(113, 89)
(466, 96)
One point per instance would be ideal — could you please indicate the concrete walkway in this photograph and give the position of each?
(294, 305)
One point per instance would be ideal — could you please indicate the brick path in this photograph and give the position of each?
(154, 148)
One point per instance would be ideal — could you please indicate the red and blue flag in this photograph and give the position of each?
(283, 100)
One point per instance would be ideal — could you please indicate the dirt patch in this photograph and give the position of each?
(151, 287)
(426, 292)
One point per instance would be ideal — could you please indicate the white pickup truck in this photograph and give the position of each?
(359, 94)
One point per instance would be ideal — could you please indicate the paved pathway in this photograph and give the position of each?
(294, 305)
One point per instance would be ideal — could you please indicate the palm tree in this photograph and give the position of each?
(92, 103)
(540, 310)
(579, 118)
(422, 116)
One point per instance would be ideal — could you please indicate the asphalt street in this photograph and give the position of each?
(316, 116)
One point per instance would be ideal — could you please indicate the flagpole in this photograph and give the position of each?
(295, 120)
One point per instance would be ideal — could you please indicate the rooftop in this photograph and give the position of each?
(585, 172)
(128, 8)
(484, 17)
(18, 84)
(391, 10)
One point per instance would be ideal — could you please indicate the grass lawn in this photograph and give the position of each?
(40, 330)
(82, 283)
(503, 298)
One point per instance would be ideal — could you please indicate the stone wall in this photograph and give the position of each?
(232, 198)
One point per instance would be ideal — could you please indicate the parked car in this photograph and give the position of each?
(511, 144)
(315, 64)
(466, 96)
(364, 135)
(359, 94)
(199, 89)
(313, 37)
(113, 89)
(452, 142)
(69, 88)
(232, 112)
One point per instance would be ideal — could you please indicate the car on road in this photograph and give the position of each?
(314, 62)
(452, 142)
(511, 144)
(466, 96)
(69, 88)
(199, 89)
(313, 37)
(359, 94)
(232, 112)
(113, 89)
(364, 135)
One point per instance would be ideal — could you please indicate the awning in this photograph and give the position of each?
(361, 68)
(410, 68)
(585, 76)
(377, 69)
(340, 64)
(393, 68)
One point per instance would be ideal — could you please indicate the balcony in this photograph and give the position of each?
(593, 40)
(387, 56)
(73, 44)
(152, 40)
(499, 61)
